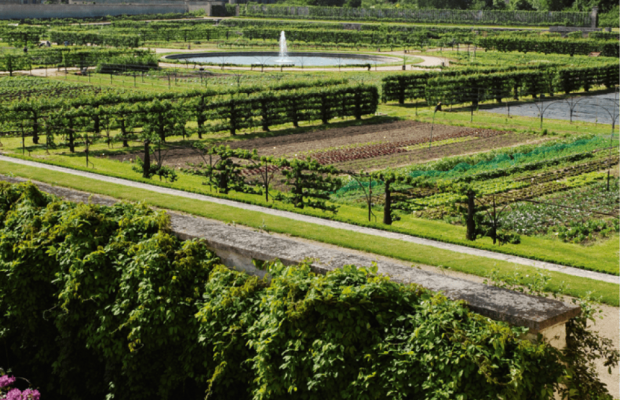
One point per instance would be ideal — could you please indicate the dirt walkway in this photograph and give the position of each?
(333, 224)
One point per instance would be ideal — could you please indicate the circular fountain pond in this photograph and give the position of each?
(295, 58)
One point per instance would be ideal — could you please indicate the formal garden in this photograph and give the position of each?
(410, 128)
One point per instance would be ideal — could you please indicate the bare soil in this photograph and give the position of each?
(357, 147)
(368, 147)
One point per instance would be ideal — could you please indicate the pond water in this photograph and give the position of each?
(298, 59)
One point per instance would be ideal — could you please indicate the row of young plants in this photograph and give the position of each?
(506, 162)
(106, 302)
(461, 17)
(570, 46)
(574, 216)
(522, 174)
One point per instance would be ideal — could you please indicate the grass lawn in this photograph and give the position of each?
(480, 266)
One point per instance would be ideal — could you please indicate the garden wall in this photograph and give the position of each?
(21, 11)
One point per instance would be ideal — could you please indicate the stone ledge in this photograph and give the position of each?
(238, 247)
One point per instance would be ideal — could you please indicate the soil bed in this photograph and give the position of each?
(366, 147)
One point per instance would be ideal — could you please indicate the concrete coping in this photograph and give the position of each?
(238, 247)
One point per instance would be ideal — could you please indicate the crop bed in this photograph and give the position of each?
(367, 147)
(385, 149)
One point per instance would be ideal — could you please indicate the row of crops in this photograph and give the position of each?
(23, 88)
(133, 35)
(570, 46)
(493, 188)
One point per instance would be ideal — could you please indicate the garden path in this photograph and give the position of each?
(333, 224)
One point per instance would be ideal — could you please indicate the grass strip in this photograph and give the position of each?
(561, 283)
(601, 257)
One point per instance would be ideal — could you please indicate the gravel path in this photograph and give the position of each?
(333, 224)
(593, 108)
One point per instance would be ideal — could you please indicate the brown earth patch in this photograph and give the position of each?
(368, 147)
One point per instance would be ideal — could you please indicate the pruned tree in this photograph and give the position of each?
(266, 168)
(223, 170)
(311, 184)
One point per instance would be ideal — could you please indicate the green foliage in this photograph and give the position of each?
(22, 35)
(126, 63)
(103, 301)
(474, 85)
(391, 330)
(115, 290)
(12, 62)
(310, 183)
(583, 345)
(610, 19)
(571, 46)
(167, 173)
(224, 170)
(418, 15)
(95, 37)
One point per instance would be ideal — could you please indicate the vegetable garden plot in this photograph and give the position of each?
(342, 146)
(588, 109)
(575, 215)
(386, 149)
(440, 150)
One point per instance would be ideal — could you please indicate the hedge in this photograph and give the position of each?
(477, 17)
(570, 46)
(94, 37)
(475, 85)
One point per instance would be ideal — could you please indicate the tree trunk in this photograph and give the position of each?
(471, 211)
(387, 207)
(200, 121)
(35, 130)
(124, 133)
(147, 160)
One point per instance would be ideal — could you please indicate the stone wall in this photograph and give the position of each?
(20, 11)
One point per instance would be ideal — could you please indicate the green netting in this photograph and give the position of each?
(506, 160)
(354, 185)
(500, 161)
